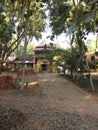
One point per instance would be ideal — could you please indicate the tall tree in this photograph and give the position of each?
(30, 19)
(76, 18)
(21, 20)
(13, 14)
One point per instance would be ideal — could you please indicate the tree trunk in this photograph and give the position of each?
(91, 80)
(24, 53)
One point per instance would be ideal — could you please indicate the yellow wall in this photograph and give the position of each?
(38, 68)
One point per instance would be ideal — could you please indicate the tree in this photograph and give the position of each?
(20, 21)
(31, 22)
(76, 18)
(13, 15)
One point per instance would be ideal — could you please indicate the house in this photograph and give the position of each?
(28, 60)
(41, 61)
(37, 60)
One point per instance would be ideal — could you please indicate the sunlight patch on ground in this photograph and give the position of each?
(88, 96)
(44, 80)
(81, 110)
(33, 83)
(53, 80)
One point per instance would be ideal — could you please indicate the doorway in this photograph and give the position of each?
(44, 67)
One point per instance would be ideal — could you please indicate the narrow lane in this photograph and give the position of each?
(62, 94)
(60, 105)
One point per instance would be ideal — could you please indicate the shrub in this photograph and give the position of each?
(17, 80)
(82, 81)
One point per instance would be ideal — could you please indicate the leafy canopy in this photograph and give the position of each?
(13, 15)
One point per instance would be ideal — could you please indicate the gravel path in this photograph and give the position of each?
(57, 104)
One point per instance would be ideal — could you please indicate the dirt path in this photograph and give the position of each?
(60, 93)
(57, 104)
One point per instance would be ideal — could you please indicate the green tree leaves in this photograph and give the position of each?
(13, 15)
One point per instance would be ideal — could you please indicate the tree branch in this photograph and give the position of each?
(11, 50)
(15, 41)
(74, 3)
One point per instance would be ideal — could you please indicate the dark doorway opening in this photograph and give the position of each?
(44, 67)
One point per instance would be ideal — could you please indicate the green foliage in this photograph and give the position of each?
(81, 81)
(66, 58)
(3, 68)
(59, 14)
(75, 18)
(96, 53)
(50, 55)
(19, 50)
(91, 45)
(17, 80)
(13, 16)
(87, 17)
(30, 48)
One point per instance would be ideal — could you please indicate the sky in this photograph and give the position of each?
(62, 40)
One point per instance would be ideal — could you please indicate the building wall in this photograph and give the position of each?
(41, 62)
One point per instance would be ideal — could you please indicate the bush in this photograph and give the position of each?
(17, 80)
(82, 81)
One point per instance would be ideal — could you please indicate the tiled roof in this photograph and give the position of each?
(42, 45)
(25, 58)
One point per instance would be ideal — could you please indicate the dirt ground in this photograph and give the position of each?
(54, 104)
